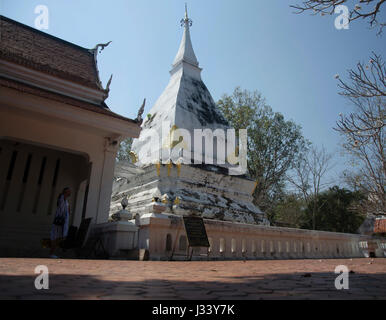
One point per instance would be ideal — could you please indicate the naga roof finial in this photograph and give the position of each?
(94, 52)
(140, 112)
(101, 45)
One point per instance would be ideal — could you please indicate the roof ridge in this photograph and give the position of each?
(46, 34)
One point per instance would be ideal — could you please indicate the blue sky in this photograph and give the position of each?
(291, 59)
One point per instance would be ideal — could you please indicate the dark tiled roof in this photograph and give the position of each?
(61, 98)
(380, 225)
(37, 50)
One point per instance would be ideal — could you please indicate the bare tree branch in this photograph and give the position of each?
(364, 130)
(365, 9)
(367, 81)
(308, 176)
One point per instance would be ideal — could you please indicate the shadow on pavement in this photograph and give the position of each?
(271, 286)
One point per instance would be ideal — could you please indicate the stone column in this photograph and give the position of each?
(106, 183)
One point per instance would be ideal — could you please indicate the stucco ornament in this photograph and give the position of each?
(123, 215)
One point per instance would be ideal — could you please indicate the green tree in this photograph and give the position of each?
(289, 211)
(336, 211)
(273, 142)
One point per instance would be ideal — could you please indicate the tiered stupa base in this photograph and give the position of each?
(189, 190)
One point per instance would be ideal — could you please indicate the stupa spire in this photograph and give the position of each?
(185, 52)
(186, 12)
(186, 103)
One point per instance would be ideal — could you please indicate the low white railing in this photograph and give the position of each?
(165, 235)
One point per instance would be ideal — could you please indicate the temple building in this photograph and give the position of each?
(56, 131)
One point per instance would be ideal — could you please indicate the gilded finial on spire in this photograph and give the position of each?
(185, 52)
(186, 21)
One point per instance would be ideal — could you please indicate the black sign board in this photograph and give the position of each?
(82, 232)
(196, 232)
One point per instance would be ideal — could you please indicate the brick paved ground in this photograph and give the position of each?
(291, 279)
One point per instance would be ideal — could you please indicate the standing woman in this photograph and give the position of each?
(60, 225)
